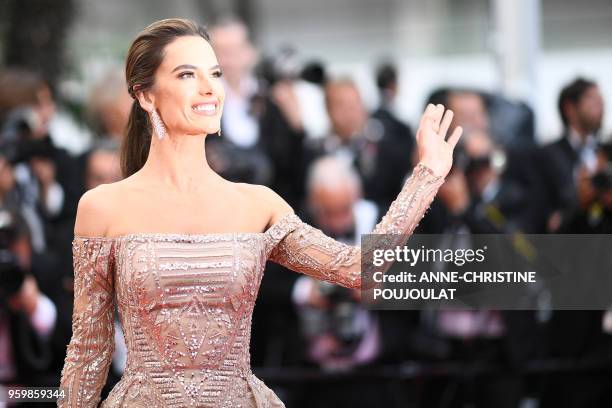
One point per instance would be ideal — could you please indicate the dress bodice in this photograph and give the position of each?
(185, 303)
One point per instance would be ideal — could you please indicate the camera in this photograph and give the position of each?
(11, 273)
(283, 65)
(16, 141)
(602, 180)
(341, 317)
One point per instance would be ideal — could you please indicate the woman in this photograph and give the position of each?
(184, 250)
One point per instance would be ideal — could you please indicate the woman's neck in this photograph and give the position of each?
(179, 163)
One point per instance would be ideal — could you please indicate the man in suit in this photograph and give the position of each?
(583, 334)
(569, 162)
(262, 129)
(503, 178)
(488, 191)
(378, 152)
(339, 332)
(387, 83)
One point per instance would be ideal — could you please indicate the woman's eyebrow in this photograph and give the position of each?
(184, 66)
(189, 66)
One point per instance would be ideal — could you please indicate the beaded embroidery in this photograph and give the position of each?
(186, 301)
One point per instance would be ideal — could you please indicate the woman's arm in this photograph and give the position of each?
(91, 346)
(308, 250)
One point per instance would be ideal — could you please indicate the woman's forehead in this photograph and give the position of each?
(189, 50)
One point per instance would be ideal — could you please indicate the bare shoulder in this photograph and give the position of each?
(267, 200)
(95, 209)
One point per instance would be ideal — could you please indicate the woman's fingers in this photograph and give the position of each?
(431, 117)
(438, 120)
(426, 116)
(437, 115)
(446, 121)
(454, 137)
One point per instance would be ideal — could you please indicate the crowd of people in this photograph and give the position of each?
(311, 139)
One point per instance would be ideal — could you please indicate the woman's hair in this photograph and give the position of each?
(144, 57)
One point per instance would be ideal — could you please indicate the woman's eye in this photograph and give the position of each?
(186, 74)
(217, 74)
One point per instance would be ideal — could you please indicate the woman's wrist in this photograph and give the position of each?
(433, 167)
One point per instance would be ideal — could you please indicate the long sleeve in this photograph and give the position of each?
(92, 344)
(308, 250)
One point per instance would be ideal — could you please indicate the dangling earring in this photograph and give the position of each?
(219, 132)
(158, 125)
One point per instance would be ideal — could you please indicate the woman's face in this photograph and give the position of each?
(187, 92)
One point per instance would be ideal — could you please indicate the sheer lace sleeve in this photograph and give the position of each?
(91, 346)
(303, 248)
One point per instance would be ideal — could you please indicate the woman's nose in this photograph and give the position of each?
(205, 86)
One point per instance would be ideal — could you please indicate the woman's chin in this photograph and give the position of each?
(210, 128)
(212, 131)
(201, 131)
(207, 130)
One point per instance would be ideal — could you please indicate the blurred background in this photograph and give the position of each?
(527, 50)
(323, 100)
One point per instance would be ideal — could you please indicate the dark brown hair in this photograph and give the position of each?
(571, 94)
(144, 57)
(19, 87)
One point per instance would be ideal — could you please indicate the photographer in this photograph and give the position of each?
(45, 174)
(569, 162)
(341, 334)
(27, 316)
(262, 128)
(596, 216)
(584, 334)
(485, 193)
(490, 186)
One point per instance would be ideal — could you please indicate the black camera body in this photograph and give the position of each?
(341, 315)
(602, 181)
(16, 141)
(12, 274)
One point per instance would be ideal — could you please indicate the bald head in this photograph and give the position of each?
(333, 187)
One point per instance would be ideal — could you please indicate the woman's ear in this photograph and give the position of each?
(146, 100)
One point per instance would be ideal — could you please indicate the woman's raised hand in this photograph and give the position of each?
(434, 149)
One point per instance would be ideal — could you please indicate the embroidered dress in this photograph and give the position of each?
(185, 303)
